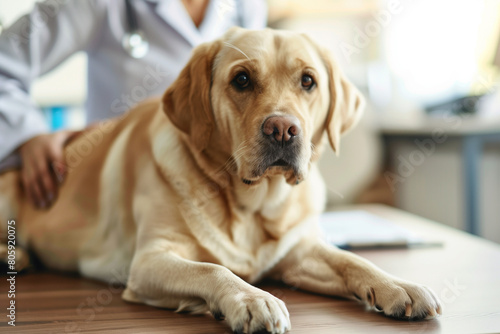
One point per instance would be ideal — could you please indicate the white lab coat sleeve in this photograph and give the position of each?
(253, 14)
(32, 46)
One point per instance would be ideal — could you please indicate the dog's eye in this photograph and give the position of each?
(241, 80)
(307, 82)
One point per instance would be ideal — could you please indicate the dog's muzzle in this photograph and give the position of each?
(280, 144)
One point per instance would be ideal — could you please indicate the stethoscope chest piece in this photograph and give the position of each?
(135, 44)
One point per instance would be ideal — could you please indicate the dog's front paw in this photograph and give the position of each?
(402, 300)
(255, 311)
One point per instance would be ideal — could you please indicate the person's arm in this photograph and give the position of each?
(32, 46)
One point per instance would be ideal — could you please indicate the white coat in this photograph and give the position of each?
(56, 29)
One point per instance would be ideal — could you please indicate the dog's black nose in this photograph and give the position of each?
(281, 128)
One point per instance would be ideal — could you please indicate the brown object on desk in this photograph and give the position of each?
(465, 274)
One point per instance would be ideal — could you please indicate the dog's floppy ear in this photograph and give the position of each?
(346, 103)
(187, 101)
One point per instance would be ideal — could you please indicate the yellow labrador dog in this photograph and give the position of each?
(215, 187)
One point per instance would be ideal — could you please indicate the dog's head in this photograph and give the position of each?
(264, 99)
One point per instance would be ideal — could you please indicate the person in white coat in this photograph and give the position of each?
(118, 76)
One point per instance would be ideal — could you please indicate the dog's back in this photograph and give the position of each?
(77, 229)
(10, 199)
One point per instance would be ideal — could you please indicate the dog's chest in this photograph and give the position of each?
(257, 231)
(265, 199)
(258, 251)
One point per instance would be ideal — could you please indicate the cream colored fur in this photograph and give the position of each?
(161, 197)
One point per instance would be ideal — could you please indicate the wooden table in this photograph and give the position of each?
(465, 273)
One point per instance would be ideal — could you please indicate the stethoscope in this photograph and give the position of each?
(134, 41)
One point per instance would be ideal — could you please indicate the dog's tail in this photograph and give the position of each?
(10, 198)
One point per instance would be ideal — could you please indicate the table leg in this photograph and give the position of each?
(471, 149)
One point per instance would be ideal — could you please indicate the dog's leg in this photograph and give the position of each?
(321, 268)
(161, 278)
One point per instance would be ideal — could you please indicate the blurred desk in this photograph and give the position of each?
(465, 274)
(473, 133)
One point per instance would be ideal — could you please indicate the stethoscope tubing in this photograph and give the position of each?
(134, 42)
(131, 17)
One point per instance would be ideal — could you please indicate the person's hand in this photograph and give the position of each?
(40, 155)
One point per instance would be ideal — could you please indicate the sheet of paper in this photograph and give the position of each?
(361, 229)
